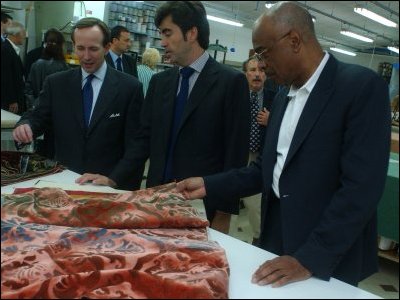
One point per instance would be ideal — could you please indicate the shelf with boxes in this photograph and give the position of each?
(138, 18)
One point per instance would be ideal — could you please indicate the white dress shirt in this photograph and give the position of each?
(290, 120)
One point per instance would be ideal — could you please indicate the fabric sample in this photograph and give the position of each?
(107, 246)
(37, 166)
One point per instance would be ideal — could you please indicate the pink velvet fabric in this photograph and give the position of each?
(144, 244)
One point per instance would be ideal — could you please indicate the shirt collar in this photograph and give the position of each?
(100, 73)
(309, 85)
(199, 63)
(114, 56)
(16, 48)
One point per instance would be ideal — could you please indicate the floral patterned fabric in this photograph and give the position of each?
(36, 166)
(143, 244)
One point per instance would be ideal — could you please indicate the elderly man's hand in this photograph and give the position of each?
(280, 271)
(262, 117)
(192, 188)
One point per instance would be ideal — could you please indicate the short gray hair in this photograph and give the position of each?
(15, 28)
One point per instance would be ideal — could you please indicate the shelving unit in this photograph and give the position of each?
(138, 18)
(385, 70)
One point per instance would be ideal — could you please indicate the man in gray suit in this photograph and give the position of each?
(93, 110)
(205, 132)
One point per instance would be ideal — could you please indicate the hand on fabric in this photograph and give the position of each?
(96, 179)
(262, 117)
(192, 188)
(280, 271)
(23, 134)
(13, 107)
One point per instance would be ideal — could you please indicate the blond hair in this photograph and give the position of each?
(151, 57)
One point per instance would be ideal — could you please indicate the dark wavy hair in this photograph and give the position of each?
(53, 45)
(91, 22)
(186, 15)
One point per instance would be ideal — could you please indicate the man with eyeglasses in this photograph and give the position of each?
(324, 162)
(116, 57)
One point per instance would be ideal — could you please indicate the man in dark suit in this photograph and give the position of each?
(93, 110)
(6, 20)
(116, 57)
(260, 97)
(324, 162)
(211, 134)
(12, 71)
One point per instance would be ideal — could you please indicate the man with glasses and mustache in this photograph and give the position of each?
(262, 93)
(324, 163)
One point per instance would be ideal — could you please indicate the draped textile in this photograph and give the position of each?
(143, 244)
(37, 166)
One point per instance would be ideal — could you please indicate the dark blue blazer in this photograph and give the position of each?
(333, 177)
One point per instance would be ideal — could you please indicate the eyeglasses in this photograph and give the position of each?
(263, 54)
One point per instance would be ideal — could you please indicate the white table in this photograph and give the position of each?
(243, 259)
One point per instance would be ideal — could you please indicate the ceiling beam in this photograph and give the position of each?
(377, 3)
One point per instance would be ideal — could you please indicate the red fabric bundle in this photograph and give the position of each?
(59, 245)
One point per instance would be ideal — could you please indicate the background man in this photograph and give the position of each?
(12, 71)
(116, 57)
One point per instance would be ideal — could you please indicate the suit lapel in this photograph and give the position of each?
(316, 102)
(107, 94)
(168, 102)
(204, 82)
(75, 96)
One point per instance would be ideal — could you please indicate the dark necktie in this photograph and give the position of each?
(254, 127)
(87, 94)
(119, 64)
(180, 102)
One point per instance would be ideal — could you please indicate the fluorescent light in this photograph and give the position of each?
(375, 17)
(216, 19)
(343, 51)
(314, 19)
(356, 36)
(394, 49)
(269, 4)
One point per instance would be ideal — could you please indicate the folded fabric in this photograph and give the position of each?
(143, 244)
(140, 209)
(35, 166)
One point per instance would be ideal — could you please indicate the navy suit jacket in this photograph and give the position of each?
(333, 176)
(129, 64)
(214, 131)
(114, 121)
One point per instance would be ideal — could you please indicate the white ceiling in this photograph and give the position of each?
(331, 16)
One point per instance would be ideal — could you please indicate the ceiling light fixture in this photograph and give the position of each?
(225, 21)
(356, 36)
(375, 17)
(314, 19)
(343, 51)
(393, 49)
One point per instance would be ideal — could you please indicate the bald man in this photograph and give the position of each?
(324, 162)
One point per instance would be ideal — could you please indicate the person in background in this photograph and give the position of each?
(194, 120)
(150, 58)
(116, 57)
(324, 163)
(6, 20)
(260, 106)
(93, 110)
(12, 71)
(51, 61)
(32, 56)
